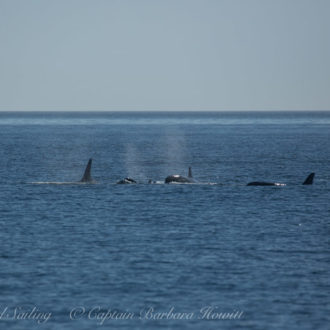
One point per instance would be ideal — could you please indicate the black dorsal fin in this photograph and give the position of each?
(309, 179)
(189, 172)
(87, 175)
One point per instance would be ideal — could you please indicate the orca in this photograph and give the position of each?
(180, 179)
(126, 181)
(262, 183)
(87, 177)
(309, 180)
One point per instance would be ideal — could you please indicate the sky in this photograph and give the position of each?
(164, 55)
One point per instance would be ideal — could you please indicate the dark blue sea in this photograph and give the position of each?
(213, 255)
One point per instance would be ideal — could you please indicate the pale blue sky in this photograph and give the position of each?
(165, 55)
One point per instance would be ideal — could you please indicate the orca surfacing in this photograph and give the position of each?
(180, 179)
(308, 180)
(127, 181)
(87, 177)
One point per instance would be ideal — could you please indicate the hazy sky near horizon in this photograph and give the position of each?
(165, 55)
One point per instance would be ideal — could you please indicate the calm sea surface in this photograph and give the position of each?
(205, 256)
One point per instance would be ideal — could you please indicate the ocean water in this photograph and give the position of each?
(214, 255)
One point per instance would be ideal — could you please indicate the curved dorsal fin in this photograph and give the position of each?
(87, 175)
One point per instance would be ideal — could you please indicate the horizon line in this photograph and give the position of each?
(167, 110)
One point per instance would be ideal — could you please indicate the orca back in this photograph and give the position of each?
(261, 183)
(126, 181)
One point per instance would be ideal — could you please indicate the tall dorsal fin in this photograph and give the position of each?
(87, 175)
(189, 172)
(309, 179)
